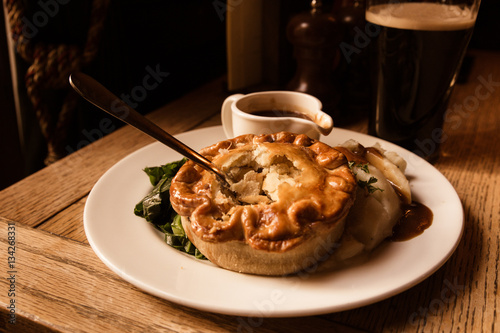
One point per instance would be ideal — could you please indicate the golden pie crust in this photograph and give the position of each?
(293, 194)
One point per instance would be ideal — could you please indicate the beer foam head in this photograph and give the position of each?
(421, 16)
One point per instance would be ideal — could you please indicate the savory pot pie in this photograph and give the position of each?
(290, 197)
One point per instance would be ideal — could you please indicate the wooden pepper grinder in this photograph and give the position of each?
(315, 39)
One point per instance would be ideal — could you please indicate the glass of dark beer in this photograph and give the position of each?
(416, 53)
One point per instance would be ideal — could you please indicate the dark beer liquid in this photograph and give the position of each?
(413, 72)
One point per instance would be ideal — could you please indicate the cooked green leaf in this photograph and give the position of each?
(157, 209)
(168, 170)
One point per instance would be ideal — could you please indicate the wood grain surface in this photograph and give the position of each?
(61, 285)
(72, 178)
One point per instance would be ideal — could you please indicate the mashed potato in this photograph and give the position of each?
(377, 208)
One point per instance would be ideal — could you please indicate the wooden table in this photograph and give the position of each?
(61, 285)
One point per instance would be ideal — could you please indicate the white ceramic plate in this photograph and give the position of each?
(135, 250)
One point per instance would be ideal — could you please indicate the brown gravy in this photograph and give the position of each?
(279, 113)
(356, 156)
(416, 218)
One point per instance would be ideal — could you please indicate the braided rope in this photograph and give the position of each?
(51, 65)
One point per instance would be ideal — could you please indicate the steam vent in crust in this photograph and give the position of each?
(286, 208)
